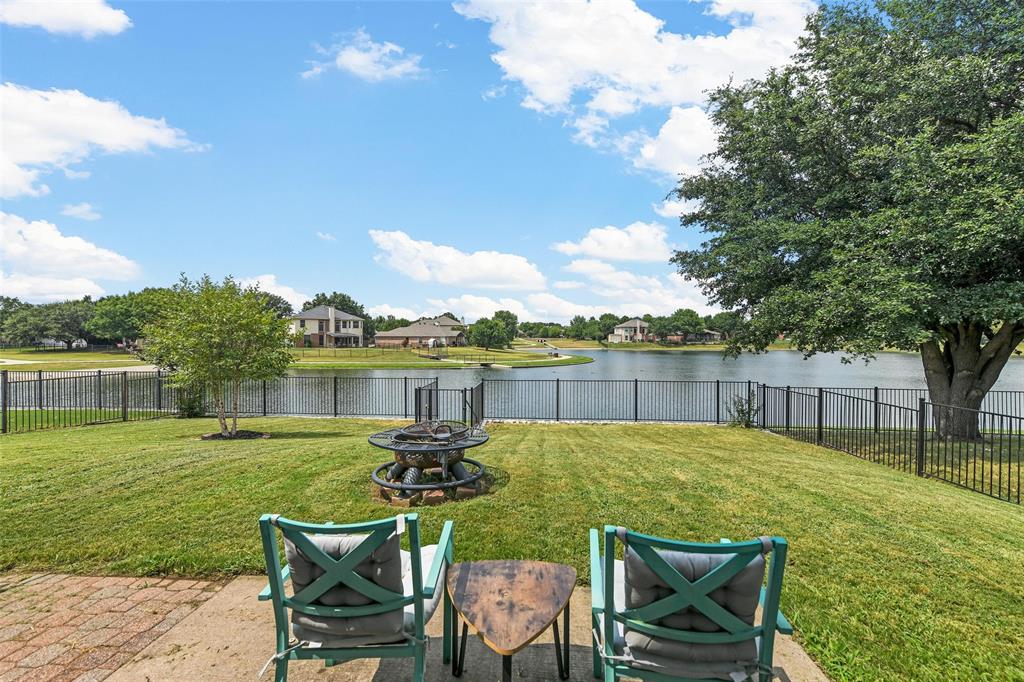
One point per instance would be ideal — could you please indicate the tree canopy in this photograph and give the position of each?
(214, 336)
(870, 195)
(488, 333)
(346, 304)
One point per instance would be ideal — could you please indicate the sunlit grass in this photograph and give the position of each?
(890, 576)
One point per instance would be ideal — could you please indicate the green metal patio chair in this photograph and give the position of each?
(355, 592)
(673, 610)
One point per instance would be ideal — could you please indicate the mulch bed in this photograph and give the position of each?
(239, 435)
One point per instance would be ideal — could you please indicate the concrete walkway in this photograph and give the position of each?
(231, 635)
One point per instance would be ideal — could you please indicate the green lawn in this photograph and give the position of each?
(62, 360)
(890, 576)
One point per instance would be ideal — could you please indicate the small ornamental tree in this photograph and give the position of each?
(215, 336)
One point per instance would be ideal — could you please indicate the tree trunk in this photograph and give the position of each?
(218, 404)
(234, 409)
(960, 369)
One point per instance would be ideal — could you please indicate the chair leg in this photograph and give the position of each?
(446, 644)
(281, 671)
(419, 664)
(609, 672)
(593, 648)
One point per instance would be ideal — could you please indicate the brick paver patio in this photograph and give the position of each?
(82, 628)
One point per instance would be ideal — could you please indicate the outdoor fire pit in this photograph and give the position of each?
(429, 462)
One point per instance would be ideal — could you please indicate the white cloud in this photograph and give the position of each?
(671, 208)
(474, 307)
(366, 59)
(547, 306)
(630, 293)
(494, 92)
(42, 264)
(88, 18)
(44, 130)
(686, 136)
(44, 289)
(82, 211)
(636, 242)
(326, 236)
(568, 284)
(39, 248)
(593, 62)
(385, 309)
(425, 261)
(269, 284)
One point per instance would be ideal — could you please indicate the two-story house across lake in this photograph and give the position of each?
(324, 326)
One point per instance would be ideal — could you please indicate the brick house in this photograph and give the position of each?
(437, 331)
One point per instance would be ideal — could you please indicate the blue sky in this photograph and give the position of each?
(419, 156)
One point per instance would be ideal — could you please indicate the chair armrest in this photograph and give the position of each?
(265, 594)
(596, 577)
(443, 543)
(782, 623)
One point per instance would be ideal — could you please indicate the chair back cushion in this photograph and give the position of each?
(739, 596)
(383, 567)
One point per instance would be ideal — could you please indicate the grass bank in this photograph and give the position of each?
(400, 358)
(890, 576)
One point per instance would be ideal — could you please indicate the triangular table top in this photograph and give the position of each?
(509, 603)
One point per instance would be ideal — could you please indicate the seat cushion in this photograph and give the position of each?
(682, 658)
(738, 596)
(352, 632)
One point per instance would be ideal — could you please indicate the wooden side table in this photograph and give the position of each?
(509, 604)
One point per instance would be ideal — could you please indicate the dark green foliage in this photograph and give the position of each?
(871, 194)
(488, 333)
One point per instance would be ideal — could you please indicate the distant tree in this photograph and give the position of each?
(870, 194)
(687, 321)
(215, 336)
(8, 305)
(26, 325)
(386, 324)
(114, 319)
(344, 303)
(607, 323)
(509, 322)
(592, 330)
(728, 322)
(578, 327)
(278, 304)
(662, 328)
(68, 320)
(487, 334)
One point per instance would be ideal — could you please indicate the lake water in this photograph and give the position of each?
(779, 368)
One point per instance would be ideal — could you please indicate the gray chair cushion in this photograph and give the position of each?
(739, 596)
(377, 629)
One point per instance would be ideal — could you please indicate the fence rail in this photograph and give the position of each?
(980, 450)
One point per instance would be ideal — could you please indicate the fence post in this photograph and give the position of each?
(821, 416)
(788, 392)
(920, 436)
(405, 397)
(334, 391)
(264, 397)
(99, 389)
(39, 389)
(636, 400)
(159, 392)
(718, 401)
(4, 400)
(463, 405)
(876, 409)
(124, 396)
(764, 405)
(557, 399)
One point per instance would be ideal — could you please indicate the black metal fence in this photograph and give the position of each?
(895, 427)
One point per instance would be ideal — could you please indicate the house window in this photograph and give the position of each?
(355, 324)
(337, 325)
(322, 326)
(302, 324)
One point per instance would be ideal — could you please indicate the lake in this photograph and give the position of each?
(779, 368)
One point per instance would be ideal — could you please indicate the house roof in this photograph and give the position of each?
(322, 312)
(422, 328)
(444, 321)
(635, 322)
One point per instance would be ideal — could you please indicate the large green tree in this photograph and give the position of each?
(487, 333)
(122, 317)
(26, 325)
(509, 322)
(67, 321)
(871, 194)
(215, 336)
